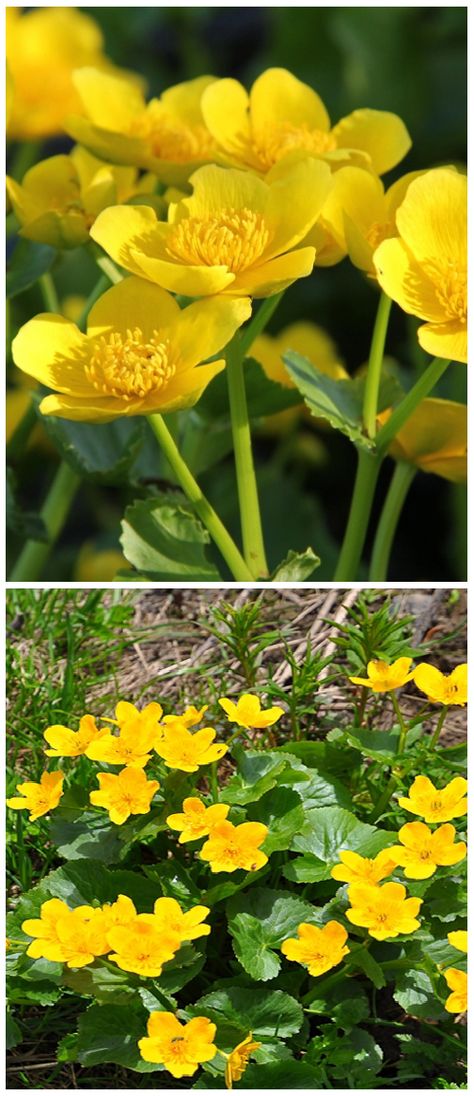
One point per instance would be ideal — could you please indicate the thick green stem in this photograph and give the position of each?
(252, 535)
(410, 402)
(49, 294)
(31, 560)
(193, 492)
(374, 369)
(394, 502)
(437, 731)
(364, 489)
(258, 322)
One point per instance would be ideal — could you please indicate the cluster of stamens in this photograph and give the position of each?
(236, 239)
(130, 367)
(288, 138)
(451, 289)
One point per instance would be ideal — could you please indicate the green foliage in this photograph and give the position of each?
(163, 539)
(28, 263)
(102, 454)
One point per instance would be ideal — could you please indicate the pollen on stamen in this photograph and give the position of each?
(236, 239)
(130, 367)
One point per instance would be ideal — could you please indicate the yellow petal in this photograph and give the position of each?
(115, 147)
(277, 96)
(273, 276)
(405, 281)
(380, 133)
(123, 231)
(432, 218)
(444, 340)
(109, 101)
(54, 351)
(183, 391)
(190, 281)
(294, 203)
(435, 439)
(132, 303)
(184, 99)
(217, 188)
(93, 409)
(205, 327)
(225, 106)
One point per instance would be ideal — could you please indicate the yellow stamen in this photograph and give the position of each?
(236, 239)
(130, 367)
(288, 138)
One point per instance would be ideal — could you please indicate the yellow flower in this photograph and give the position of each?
(197, 820)
(434, 438)
(230, 847)
(436, 805)
(60, 198)
(179, 1047)
(425, 271)
(185, 751)
(167, 136)
(120, 912)
(442, 688)
(131, 747)
(235, 235)
(360, 869)
(458, 940)
(39, 798)
(44, 46)
(67, 743)
(142, 946)
(248, 712)
(95, 564)
(127, 793)
(190, 717)
(457, 981)
(424, 851)
(382, 677)
(169, 917)
(384, 911)
(307, 339)
(63, 935)
(282, 117)
(238, 1059)
(146, 719)
(359, 215)
(318, 949)
(140, 354)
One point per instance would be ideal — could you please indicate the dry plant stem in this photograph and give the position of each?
(394, 502)
(54, 512)
(374, 369)
(209, 518)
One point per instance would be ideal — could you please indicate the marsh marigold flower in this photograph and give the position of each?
(132, 746)
(457, 981)
(425, 271)
(230, 847)
(197, 820)
(67, 743)
(435, 805)
(249, 713)
(46, 943)
(458, 939)
(167, 136)
(39, 798)
(307, 339)
(180, 749)
(190, 717)
(44, 46)
(442, 688)
(60, 198)
(422, 851)
(142, 946)
(235, 235)
(141, 353)
(318, 949)
(169, 916)
(282, 117)
(360, 869)
(181, 1048)
(384, 911)
(120, 912)
(383, 677)
(127, 793)
(63, 935)
(434, 439)
(238, 1059)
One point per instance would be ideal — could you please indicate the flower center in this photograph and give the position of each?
(235, 239)
(171, 139)
(130, 367)
(425, 854)
(288, 138)
(178, 1048)
(436, 804)
(378, 231)
(381, 918)
(451, 289)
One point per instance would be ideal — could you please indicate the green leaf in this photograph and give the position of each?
(361, 959)
(110, 1033)
(25, 523)
(327, 831)
(264, 397)
(264, 1012)
(29, 261)
(87, 881)
(164, 539)
(97, 452)
(259, 921)
(86, 839)
(101, 982)
(297, 567)
(340, 402)
(13, 1032)
(24, 991)
(257, 774)
(414, 993)
(287, 1074)
(187, 963)
(346, 1003)
(380, 745)
(282, 811)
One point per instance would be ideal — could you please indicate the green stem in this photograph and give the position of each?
(394, 502)
(383, 800)
(368, 468)
(48, 291)
(252, 535)
(17, 444)
(23, 157)
(106, 265)
(100, 287)
(403, 726)
(410, 402)
(31, 560)
(436, 733)
(193, 492)
(374, 369)
(258, 322)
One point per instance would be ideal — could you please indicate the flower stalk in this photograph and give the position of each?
(374, 370)
(402, 479)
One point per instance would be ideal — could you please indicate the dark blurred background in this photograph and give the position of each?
(405, 59)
